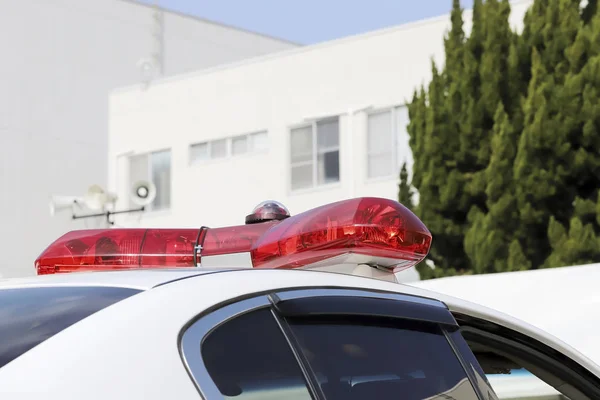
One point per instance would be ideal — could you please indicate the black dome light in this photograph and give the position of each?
(269, 210)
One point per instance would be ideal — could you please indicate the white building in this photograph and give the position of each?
(60, 59)
(305, 126)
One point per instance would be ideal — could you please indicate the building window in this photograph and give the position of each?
(239, 145)
(199, 152)
(154, 167)
(315, 154)
(258, 141)
(235, 146)
(387, 142)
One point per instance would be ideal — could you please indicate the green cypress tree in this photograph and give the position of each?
(517, 261)
(536, 185)
(452, 149)
(505, 140)
(472, 117)
(544, 154)
(405, 191)
(491, 46)
(589, 11)
(494, 60)
(443, 204)
(417, 114)
(580, 124)
(577, 246)
(489, 235)
(437, 192)
(454, 44)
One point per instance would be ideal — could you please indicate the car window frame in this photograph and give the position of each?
(193, 334)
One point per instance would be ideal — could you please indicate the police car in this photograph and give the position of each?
(283, 307)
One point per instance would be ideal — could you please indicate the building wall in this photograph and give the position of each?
(346, 78)
(60, 59)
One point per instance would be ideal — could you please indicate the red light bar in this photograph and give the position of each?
(378, 228)
(114, 249)
(381, 231)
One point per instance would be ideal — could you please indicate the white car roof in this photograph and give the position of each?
(142, 279)
(172, 306)
(561, 301)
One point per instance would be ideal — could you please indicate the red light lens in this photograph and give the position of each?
(233, 239)
(378, 228)
(381, 231)
(115, 249)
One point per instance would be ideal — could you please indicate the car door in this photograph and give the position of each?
(504, 346)
(331, 344)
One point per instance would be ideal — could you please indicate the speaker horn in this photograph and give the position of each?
(96, 198)
(60, 203)
(143, 193)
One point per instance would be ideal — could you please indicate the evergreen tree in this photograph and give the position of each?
(506, 141)
(589, 11)
(489, 235)
(452, 148)
(439, 191)
(405, 191)
(517, 261)
(435, 138)
(577, 246)
(580, 124)
(544, 154)
(471, 119)
(417, 110)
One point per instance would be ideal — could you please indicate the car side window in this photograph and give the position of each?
(31, 315)
(327, 344)
(357, 359)
(248, 357)
(473, 365)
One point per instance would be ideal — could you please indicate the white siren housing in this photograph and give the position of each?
(61, 203)
(143, 193)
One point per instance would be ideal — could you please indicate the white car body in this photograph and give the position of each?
(130, 350)
(560, 301)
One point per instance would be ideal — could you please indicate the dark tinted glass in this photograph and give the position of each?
(28, 316)
(249, 358)
(387, 359)
(473, 364)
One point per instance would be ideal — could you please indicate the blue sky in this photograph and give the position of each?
(312, 21)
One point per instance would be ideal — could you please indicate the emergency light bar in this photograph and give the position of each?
(380, 232)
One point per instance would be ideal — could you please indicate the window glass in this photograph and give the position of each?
(380, 132)
(325, 164)
(328, 170)
(161, 177)
(403, 150)
(380, 165)
(302, 144)
(473, 365)
(29, 316)
(302, 177)
(249, 358)
(380, 143)
(389, 360)
(218, 148)
(259, 141)
(199, 152)
(328, 159)
(328, 134)
(239, 145)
